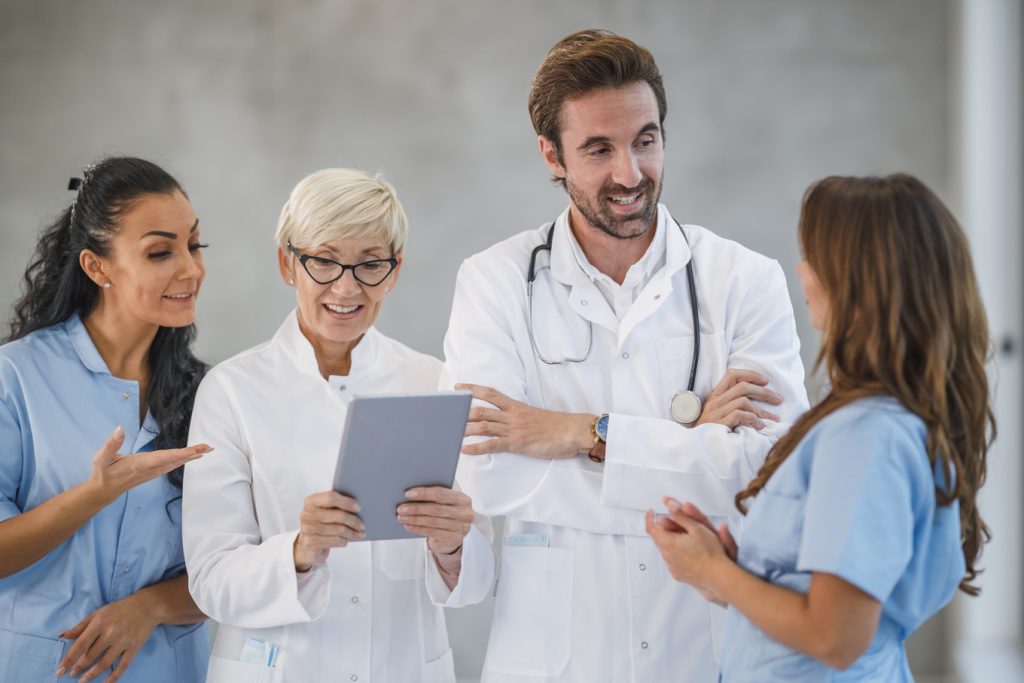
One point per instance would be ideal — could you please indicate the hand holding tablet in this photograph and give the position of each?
(395, 444)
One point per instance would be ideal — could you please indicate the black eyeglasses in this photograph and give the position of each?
(324, 271)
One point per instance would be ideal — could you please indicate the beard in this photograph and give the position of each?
(621, 226)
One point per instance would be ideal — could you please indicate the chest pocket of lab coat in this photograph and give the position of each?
(531, 633)
(675, 358)
(401, 560)
(222, 670)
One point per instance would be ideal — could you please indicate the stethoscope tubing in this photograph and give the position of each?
(531, 275)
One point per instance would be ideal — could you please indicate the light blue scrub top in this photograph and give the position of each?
(855, 499)
(58, 405)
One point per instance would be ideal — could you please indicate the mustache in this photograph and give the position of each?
(645, 186)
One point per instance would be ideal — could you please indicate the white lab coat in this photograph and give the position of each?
(598, 604)
(372, 612)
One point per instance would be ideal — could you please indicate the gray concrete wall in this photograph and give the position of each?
(241, 98)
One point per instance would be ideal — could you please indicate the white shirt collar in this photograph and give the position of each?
(295, 345)
(568, 262)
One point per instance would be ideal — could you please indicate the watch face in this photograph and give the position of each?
(602, 427)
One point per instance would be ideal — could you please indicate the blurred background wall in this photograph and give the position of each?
(241, 98)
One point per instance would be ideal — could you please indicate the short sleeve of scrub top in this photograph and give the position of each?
(860, 507)
(10, 460)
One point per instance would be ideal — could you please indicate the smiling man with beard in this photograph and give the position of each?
(617, 356)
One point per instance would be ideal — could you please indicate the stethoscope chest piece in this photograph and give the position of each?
(685, 407)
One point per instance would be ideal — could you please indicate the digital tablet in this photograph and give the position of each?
(393, 443)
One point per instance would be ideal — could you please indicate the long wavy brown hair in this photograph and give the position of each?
(905, 320)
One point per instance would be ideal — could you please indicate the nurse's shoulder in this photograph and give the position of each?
(876, 434)
(44, 353)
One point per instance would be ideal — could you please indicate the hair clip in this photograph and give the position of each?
(74, 183)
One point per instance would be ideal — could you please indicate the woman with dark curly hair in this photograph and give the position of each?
(92, 576)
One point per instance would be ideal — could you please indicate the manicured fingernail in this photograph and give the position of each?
(673, 505)
(412, 494)
(356, 507)
(60, 671)
(402, 509)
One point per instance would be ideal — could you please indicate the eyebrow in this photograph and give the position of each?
(598, 139)
(365, 252)
(169, 235)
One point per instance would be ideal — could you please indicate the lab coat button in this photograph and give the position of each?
(625, 356)
(583, 302)
(643, 567)
(644, 645)
(353, 677)
(657, 296)
(342, 387)
(355, 599)
(126, 395)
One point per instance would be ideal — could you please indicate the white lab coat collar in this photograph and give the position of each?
(566, 269)
(586, 300)
(289, 338)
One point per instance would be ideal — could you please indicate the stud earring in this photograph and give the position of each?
(387, 289)
(291, 282)
(106, 285)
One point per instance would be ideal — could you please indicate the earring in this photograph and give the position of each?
(291, 282)
(106, 285)
(387, 289)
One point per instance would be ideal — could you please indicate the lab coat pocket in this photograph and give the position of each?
(531, 633)
(25, 657)
(440, 670)
(675, 359)
(401, 560)
(224, 670)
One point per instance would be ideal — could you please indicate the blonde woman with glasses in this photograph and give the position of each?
(270, 551)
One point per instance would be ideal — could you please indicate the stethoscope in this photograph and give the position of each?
(685, 406)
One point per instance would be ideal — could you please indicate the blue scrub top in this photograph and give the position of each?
(58, 405)
(855, 499)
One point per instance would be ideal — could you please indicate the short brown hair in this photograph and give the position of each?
(586, 61)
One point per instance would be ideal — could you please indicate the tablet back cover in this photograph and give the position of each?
(393, 443)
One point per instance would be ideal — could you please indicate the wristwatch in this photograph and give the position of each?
(600, 438)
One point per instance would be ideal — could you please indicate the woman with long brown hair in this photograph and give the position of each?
(862, 522)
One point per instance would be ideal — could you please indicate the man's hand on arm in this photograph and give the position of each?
(516, 427)
(734, 401)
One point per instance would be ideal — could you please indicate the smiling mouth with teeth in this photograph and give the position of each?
(341, 309)
(625, 200)
(179, 297)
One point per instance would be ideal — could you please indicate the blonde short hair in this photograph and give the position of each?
(341, 202)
